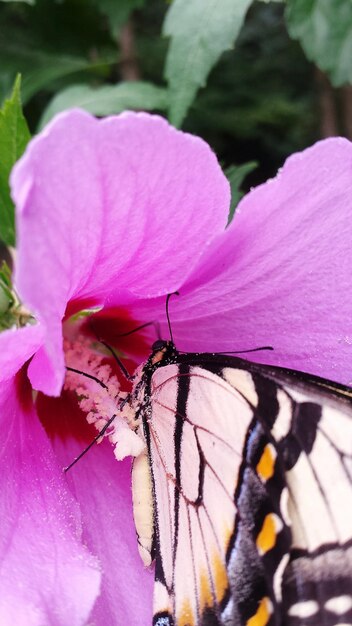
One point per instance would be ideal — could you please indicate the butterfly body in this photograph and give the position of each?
(248, 498)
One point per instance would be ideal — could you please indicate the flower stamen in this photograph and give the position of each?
(99, 396)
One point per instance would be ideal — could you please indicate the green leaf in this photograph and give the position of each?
(109, 99)
(235, 175)
(49, 67)
(200, 31)
(14, 136)
(324, 29)
(118, 11)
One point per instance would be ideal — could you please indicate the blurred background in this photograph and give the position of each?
(258, 80)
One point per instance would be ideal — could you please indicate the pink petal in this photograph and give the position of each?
(281, 275)
(103, 487)
(125, 203)
(47, 575)
(16, 347)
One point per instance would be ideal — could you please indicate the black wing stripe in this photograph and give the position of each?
(268, 405)
(159, 571)
(201, 473)
(304, 427)
(181, 409)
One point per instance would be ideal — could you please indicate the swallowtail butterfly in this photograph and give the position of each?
(244, 495)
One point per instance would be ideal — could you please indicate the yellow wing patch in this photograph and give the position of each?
(219, 583)
(227, 535)
(186, 616)
(220, 576)
(206, 596)
(261, 617)
(266, 465)
(267, 536)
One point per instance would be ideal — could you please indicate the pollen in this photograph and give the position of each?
(99, 396)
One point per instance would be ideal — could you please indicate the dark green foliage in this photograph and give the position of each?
(52, 44)
(227, 71)
(118, 11)
(260, 102)
(324, 28)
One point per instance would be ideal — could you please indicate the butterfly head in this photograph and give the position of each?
(163, 351)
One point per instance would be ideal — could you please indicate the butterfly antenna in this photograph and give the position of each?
(97, 380)
(237, 351)
(100, 434)
(126, 374)
(174, 293)
(251, 350)
(112, 352)
(135, 330)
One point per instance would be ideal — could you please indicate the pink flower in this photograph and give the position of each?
(116, 214)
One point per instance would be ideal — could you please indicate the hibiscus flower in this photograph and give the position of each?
(112, 215)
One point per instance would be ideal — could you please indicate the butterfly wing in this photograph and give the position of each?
(314, 439)
(199, 429)
(246, 519)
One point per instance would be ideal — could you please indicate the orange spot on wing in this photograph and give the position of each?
(266, 465)
(261, 617)
(267, 537)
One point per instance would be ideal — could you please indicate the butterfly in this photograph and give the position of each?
(243, 496)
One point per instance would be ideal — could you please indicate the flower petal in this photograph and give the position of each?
(102, 485)
(125, 203)
(281, 274)
(16, 347)
(47, 576)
